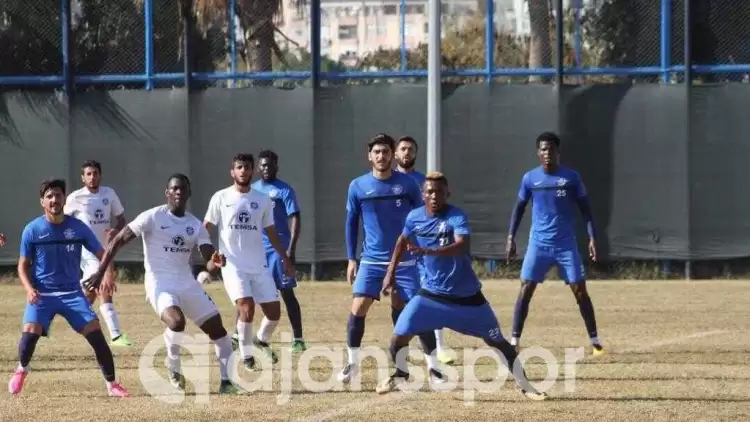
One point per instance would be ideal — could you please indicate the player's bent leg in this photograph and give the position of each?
(421, 316)
(92, 332)
(267, 296)
(521, 310)
(214, 329)
(30, 334)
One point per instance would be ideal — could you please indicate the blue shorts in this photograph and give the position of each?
(369, 281)
(276, 265)
(539, 259)
(74, 307)
(423, 314)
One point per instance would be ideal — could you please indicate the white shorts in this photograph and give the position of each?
(194, 302)
(240, 284)
(89, 266)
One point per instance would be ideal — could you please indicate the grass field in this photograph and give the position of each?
(678, 350)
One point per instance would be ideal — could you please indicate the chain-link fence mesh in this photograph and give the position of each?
(722, 37)
(30, 38)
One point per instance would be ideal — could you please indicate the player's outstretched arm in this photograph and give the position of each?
(460, 246)
(123, 238)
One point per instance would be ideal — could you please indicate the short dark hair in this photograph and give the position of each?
(381, 139)
(91, 163)
(179, 176)
(268, 154)
(436, 176)
(244, 157)
(48, 185)
(408, 139)
(548, 137)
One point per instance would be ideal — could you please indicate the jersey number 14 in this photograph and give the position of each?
(70, 248)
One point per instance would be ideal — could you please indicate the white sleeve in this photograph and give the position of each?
(143, 223)
(117, 208)
(213, 213)
(203, 237)
(268, 213)
(68, 208)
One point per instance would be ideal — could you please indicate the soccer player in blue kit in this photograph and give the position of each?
(555, 191)
(451, 293)
(48, 267)
(382, 198)
(406, 160)
(286, 214)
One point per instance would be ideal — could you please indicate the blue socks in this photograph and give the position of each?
(355, 331)
(103, 354)
(26, 348)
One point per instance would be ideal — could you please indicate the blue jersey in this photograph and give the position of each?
(55, 253)
(554, 199)
(284, 206)
(383, 206)
(418, 177)
(443, 275)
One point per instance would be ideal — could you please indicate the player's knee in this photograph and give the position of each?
(32, 328)
(245, 310)
(527, 290)
(579, 290)
(288, 295)
(272, 310)
(174, 319)
(360, 306)
(91, 327)
(213, 328)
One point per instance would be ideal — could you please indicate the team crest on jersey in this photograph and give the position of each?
(254, 205)
(562, 181)
(69, 233)
(273, 193)
(189, 230)
(105, 201)
(397, 189)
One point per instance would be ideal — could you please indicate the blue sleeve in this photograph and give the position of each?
(352, 221)
(584, 205)
(90, 242)
(290, 202)
(460, 225)
(524, 192)
(27, 247)
(408, 226)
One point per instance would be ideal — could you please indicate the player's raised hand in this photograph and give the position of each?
(32, 296)
(216, 262)
(510, 248)
(592, 250)
(351, 271)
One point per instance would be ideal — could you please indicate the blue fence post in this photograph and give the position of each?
(148, 12)
(66, 46)
(489, 38)
(577, 36)
(315, 42)
(231, 33)
(665, 43)
(402, 24)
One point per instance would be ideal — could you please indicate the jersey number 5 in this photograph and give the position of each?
(398, 202)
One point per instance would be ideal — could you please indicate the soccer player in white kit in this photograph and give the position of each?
(241, 214)
(95, 205)
(169, 235)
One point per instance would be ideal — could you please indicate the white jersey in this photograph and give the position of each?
(168, 242)
(241, 219)
(95, 210)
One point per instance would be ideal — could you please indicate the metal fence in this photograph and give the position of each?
(149, 43)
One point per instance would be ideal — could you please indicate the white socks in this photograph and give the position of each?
(266, 329)
(245, 338)
(440, 340)
(353, 355)
(223, 348)
(110, 318)
(173, 350)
